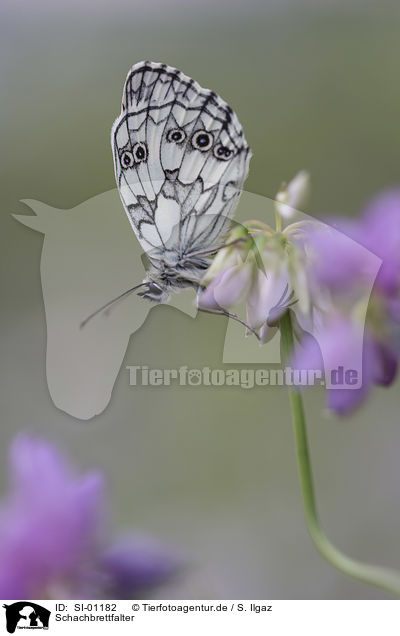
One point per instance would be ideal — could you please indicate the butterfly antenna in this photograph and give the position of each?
(110, 304)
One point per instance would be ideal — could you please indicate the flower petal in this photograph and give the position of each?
(50, 524)
(339, 349)
(137, 563)
(381, 235)
(227, 288)
(268, 298)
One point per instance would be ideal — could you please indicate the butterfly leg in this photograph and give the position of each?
(228, 314)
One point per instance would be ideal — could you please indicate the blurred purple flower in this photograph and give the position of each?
(337, 260)
(53, 541)
(135, 564)
(341, 259)
(343, 262)
(337, 346)
(380, 233)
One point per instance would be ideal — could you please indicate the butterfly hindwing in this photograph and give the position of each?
(180, 159)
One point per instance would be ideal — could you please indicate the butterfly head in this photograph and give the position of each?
(154, 291)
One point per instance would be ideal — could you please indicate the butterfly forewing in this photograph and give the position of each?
(180, 160)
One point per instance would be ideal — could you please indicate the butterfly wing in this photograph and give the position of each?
(180, 160)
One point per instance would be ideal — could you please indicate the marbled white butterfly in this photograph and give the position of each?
(180, 159)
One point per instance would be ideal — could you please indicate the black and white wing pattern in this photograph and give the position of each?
(180, 160)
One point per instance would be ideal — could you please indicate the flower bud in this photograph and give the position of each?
(293, 196)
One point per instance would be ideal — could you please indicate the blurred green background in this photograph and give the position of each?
(210, 471)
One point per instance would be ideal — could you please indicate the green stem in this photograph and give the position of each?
(388, 580)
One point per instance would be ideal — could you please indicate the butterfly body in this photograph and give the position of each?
(180, 161)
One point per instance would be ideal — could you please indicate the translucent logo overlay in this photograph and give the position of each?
(91, 255)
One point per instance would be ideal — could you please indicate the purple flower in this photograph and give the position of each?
(327, 277)
(268, 293)
(351, 360)
(229, 277)
(343, 257)
(380, 233)
(264, 269)
(351, 264)
(135, 564)
(227, 289)
(337, 261)
(53, 535)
